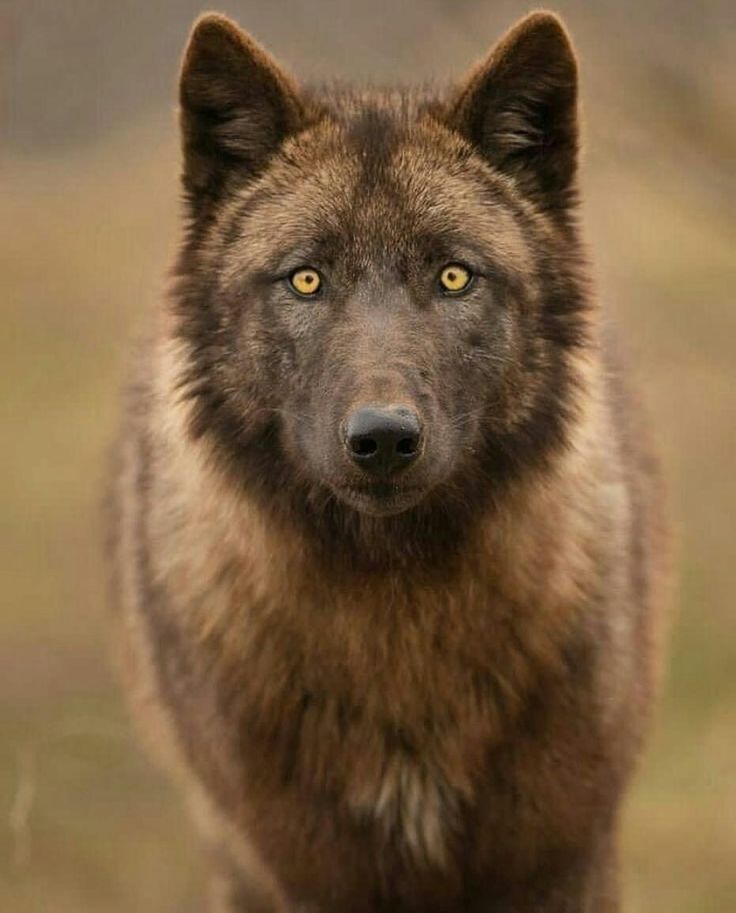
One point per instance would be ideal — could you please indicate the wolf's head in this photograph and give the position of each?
(379, 291)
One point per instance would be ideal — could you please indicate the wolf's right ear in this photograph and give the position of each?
(236, 107)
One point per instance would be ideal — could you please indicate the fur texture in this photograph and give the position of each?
(425, 694)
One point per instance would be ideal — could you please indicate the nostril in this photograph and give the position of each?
(406, 446)
(363, 446)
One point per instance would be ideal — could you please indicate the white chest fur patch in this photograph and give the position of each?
(410, 803)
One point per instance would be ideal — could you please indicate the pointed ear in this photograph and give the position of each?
(519, 109)
(237, 107)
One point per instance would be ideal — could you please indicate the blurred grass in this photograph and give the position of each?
(87, 825)
(86, 234)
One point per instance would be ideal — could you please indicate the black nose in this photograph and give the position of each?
(383, 439)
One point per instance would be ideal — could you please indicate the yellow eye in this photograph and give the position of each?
(455, 278)
(305, 281)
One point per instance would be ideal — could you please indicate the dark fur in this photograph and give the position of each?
(426, 695)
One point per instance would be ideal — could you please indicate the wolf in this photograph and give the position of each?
(387, 533)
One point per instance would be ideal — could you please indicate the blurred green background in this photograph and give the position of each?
(88, 224)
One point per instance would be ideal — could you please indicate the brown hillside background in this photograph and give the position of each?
(88, 223)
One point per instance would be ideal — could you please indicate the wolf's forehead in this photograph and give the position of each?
(376, 184)
(375, 108)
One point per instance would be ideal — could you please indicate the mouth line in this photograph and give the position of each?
(380, 490)
(380, 498)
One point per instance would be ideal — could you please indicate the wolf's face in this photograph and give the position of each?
(376, 290)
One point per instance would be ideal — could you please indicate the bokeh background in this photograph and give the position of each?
(88, 224)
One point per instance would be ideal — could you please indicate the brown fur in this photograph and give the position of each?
(429, 697)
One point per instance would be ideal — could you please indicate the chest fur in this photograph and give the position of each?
(383, 701)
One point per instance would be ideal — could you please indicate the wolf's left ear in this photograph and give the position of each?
(236, 107)
(519, 109)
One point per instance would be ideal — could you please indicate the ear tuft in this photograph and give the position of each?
(237, 107)
(519, 109)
